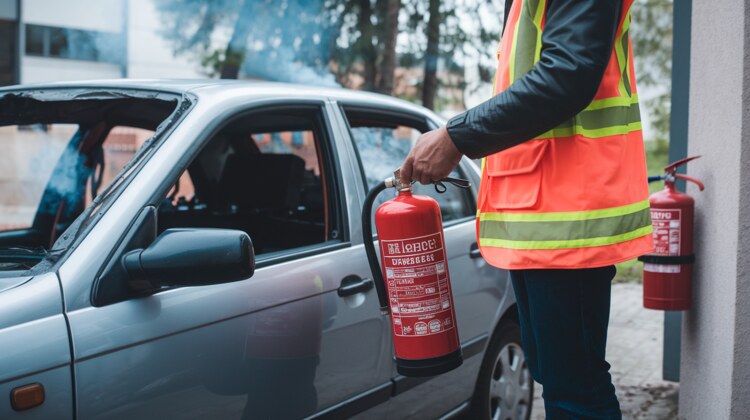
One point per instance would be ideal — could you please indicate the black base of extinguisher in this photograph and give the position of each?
(429, 367)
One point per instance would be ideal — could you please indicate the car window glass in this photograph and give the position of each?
(258, 176)
(383, 149)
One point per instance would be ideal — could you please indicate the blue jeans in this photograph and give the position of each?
(564, 316)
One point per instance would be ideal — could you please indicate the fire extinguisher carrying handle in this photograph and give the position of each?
(372, 256)
(457, 182)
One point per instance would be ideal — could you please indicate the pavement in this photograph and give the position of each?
(634, 349)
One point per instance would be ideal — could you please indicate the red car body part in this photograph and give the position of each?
(413, 282)
(668, 271)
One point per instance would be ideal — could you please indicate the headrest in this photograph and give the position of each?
(264, 181)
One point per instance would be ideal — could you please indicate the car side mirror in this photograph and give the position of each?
(191, 257)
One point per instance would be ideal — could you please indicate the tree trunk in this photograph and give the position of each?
(388, 65)
(369, 54)
(237, 47)
(429, 87)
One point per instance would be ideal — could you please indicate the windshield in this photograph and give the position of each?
(55, 158)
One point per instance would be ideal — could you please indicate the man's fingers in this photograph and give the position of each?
(424, 178)
(407, 170)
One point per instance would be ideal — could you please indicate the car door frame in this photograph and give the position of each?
(473, 346)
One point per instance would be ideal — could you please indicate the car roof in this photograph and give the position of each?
(214, 87)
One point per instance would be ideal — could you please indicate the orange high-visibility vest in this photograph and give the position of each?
(577, 195)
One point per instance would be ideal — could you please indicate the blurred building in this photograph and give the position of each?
(46, 40)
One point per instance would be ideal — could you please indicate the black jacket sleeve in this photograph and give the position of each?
(577, 42)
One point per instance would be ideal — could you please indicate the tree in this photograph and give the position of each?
(429, 86)
(388, 54)
(356, 43)
(235, 52)
(262, 43)
(366, 45)
(652, 47)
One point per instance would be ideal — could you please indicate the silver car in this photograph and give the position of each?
(193, 249)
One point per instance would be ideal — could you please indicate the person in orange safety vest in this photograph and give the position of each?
(564, 192)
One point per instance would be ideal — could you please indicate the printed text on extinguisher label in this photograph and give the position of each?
(418, 285)
(667, 223)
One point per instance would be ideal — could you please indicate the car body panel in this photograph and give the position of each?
(35, 344)
(215, 343)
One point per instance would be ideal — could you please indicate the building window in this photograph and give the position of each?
(8, 55)
(74, 44)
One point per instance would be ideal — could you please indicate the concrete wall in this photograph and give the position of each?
(8, 9)
(741, 377)
(99, 15)
(149, 55)
(714, 365)
(47, 69)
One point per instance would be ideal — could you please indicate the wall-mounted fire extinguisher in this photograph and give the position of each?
(668, 271)
(413, 284)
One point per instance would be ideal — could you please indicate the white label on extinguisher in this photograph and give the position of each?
(667, 223)
(418, 285)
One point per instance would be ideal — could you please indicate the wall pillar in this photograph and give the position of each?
(715, 364)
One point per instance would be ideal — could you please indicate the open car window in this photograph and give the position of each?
(58, 151)
(383, 141)
(29, 154)
(269, 174)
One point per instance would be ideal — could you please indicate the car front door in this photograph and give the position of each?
(383, 138)
(300, 336)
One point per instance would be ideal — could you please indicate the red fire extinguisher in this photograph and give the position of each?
(668, 271)
(413, 283)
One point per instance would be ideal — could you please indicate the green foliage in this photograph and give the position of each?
(469, 33)
(630, 271)
(657, 155)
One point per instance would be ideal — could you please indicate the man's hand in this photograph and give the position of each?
(431, 159)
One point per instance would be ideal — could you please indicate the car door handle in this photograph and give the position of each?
(474, 251)
(354, 284)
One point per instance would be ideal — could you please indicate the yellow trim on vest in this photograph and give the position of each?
(565, 216)
(540, 8)
(513, 46)
(591, 134)
(612, 102)
(572, 243)
(622, 56)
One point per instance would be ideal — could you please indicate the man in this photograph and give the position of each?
(564, 194)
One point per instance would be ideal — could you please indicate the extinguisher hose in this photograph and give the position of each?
(372, 256)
